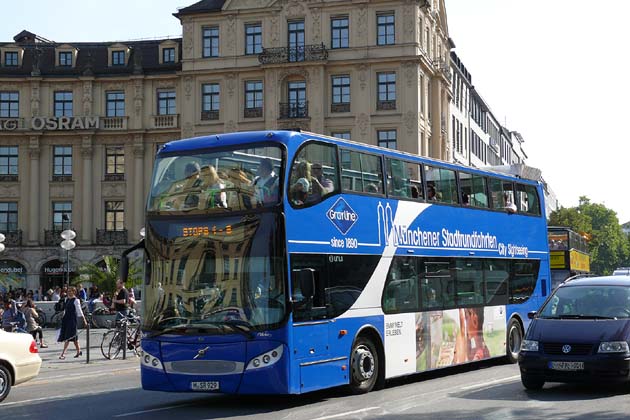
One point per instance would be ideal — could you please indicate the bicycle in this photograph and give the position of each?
(113, 340)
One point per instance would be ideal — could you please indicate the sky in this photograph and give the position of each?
(554, 71)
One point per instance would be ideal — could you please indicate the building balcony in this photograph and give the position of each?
(385, 105)
(344, 107)
(293, 54)
(111, 237)
(114, 177)
(53, 237)
(253, 113)
(9, 178)
(289, 110)
(165, 121)
(62, 178)
(13, 238)
(12, 124)
(209, 115)
(113, 123)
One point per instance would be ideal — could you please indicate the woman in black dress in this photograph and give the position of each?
(68, 330)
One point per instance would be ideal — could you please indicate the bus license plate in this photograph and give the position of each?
(566, 365)
(205, 386)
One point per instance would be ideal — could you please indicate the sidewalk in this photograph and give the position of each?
(50, 355)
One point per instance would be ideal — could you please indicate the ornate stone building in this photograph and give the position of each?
(80, 122)
(79, 127)
(373, 71)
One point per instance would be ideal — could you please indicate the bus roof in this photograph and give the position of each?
(284, 136)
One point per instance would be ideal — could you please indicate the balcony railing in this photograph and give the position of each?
(113, 123)
(53, 237)
(340, 107)
(209, 115)
(11, 124)
(114, 177)
(165, 121)
(293, 54)
(253, 113)
(62, 178)
(13, 238)
(9, 178)
(111, 237)
(294, 109)
(385, 105)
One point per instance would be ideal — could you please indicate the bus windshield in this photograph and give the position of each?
(218, 181)
(215, 276)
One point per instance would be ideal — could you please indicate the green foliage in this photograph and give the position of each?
(609, 247)
(105, 278)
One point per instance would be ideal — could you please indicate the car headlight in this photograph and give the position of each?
(613, 347)
(529, 345)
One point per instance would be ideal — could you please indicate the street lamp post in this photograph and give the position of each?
(67, 244)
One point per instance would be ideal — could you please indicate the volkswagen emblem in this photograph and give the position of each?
(566, 349)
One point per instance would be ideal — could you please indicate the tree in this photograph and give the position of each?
(105, 278)
(609, 247)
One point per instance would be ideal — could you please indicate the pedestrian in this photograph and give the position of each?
(120, 302)
(68, 330)
(30, 313)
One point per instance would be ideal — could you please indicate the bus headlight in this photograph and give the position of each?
(265, 359)
(613, 347)
(149, 361)
(529, 345)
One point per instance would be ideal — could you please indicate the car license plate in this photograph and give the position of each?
(566, 365)
(205, 386)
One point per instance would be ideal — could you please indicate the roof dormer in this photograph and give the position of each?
(169, 52)
(66, 56)
(118, 55)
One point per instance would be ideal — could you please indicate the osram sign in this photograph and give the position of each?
(53, 123)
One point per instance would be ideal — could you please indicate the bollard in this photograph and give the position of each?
(124, 324)
(87, 338)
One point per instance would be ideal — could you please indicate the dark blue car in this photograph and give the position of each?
(580, 334)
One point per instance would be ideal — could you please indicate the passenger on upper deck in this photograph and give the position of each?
(266, 183)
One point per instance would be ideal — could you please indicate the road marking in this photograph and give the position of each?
(347, 413)
(155, 409)
(65, 396)
(62, 378)
(496, 381)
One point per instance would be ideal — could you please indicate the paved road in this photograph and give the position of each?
(70, 389)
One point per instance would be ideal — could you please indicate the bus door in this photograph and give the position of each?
(312, 355)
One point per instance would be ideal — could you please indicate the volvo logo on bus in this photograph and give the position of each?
(342, 216)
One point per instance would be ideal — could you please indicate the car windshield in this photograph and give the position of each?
(216, 182)
(594, 301)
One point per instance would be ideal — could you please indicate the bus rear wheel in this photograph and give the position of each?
(364, 366)
(513, 340)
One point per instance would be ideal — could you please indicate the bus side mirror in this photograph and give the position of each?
(305, 278)
(124, 260)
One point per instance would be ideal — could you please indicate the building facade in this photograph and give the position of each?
(80, 122)
(373, 71)
(79, 127)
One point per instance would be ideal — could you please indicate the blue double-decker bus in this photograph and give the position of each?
(284, 262)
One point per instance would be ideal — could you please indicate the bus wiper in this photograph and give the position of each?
(241, 326)
(182, 328)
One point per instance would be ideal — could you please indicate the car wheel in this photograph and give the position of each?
(532, 384)
(5, 382)
(364, 366)
(513, 340)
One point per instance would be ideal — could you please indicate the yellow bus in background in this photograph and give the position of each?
(568, 254)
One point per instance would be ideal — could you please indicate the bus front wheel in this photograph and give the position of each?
(364, 366)
(513, 340)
